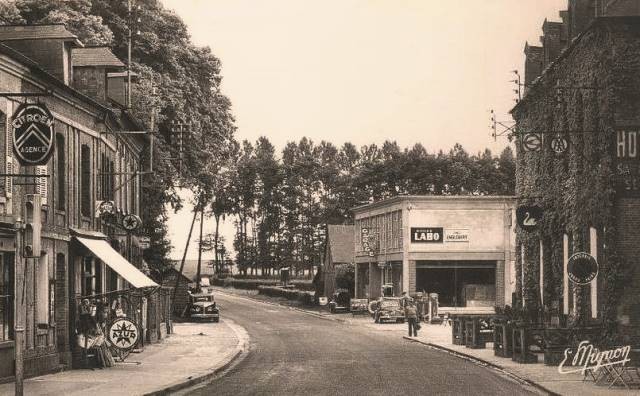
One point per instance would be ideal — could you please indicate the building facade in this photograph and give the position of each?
(338, 250)
(581, 110)
(460, 247)
(90, 163)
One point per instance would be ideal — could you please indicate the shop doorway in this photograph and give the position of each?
(458, 283)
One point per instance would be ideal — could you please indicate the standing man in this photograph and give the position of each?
(411, 315)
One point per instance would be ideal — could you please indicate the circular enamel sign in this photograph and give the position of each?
(32, 134)
(582, 268)
(123, 333)
(131, 222)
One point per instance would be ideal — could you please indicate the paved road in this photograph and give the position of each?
(293, 353)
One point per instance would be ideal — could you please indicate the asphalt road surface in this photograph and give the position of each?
(293, 353)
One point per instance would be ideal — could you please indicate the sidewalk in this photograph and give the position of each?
(547, 377)
(194, 353)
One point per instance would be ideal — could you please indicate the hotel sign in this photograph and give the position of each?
(32, 134)
(628, 162)
(427, 235)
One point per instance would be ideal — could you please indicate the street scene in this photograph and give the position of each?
(287, 197)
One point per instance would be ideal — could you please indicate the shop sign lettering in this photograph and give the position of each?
(427, 234)
(588, 357)
(628, 162)
(582, 268)
(457, 235)
(32, 134)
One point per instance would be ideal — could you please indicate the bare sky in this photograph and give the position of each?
(364, 71)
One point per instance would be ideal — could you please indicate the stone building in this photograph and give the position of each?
(338, 250)
(81, 254)
(460, 247)
(582, 93)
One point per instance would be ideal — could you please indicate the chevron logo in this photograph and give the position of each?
(32, 134)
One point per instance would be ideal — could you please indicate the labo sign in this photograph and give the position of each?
(32, 134)
(427, 235)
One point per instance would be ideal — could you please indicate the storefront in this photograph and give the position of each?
(460, 247)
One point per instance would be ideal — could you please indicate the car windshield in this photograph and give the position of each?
(202, 298)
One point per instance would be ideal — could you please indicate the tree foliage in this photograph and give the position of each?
(176, 82)
(282, 205)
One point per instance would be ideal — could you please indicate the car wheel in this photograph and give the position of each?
(216, 320)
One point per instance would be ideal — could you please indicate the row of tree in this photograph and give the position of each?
(282, 203)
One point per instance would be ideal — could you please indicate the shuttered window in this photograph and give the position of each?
(85, 180)
(61, 174)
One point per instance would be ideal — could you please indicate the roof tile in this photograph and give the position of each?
(95, 56)
(30, 32)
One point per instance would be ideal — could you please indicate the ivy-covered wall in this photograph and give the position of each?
(592, 89)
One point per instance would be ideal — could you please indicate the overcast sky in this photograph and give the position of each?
(364, 71)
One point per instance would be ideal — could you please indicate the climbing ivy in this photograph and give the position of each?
(576, 189)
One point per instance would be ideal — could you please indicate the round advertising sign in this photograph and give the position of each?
(131, 222)
(582, 268)
(32, 134)
(123, 333)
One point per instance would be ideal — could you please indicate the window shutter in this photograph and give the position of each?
(8, 181)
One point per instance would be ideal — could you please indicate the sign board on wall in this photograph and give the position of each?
(582, 268)
(456, 235)
(528, 217)
(628, 162)
(32, 129)
(427, 235)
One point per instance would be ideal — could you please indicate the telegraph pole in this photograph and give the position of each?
(129, 54)
(19, 308)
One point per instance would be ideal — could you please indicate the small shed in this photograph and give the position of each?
(339, 249)
(181, 295)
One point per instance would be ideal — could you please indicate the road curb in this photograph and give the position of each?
(483, 362)
(239, 349)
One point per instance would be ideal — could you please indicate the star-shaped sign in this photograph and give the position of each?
(130, 222)
(123, 333)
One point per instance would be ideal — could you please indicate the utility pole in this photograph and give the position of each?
(19, 307)
(200, 248)
(129, 54)
(184, 257)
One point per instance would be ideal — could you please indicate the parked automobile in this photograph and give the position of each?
(340, 301)
(387, 309)
(202, 306)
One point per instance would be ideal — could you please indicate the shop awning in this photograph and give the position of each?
(102, 250)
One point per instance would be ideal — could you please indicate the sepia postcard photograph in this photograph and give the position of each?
(304, 197)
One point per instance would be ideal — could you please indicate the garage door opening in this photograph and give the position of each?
(458, 283)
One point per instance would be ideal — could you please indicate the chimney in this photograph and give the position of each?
(48, 45)
(533, 64)
(91, 66)
(553, 40)
(581, 14)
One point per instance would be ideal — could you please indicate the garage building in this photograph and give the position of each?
(461, 247)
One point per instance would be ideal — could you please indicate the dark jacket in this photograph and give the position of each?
(410, 312)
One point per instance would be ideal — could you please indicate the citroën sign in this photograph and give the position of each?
(32, 134)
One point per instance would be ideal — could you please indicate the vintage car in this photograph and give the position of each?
(202, 306)
(340, 301)
(387, 309)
